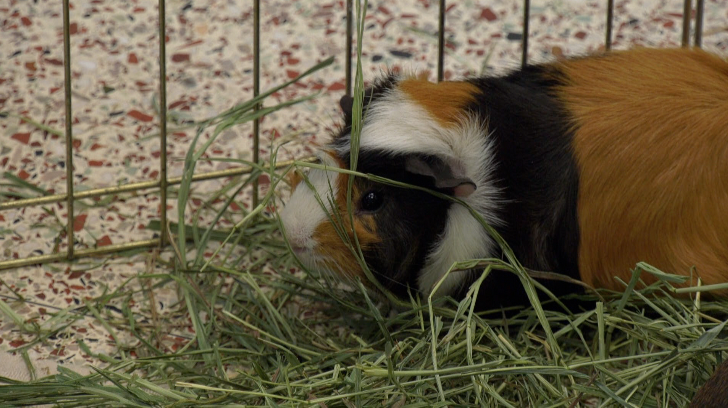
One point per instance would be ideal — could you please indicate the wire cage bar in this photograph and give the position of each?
(687, 10)
(349, 40)
(524, 36)
(163, 182)
(69, 125)
(441, 41)
(256, 91)
(699, 11)
(609, 24)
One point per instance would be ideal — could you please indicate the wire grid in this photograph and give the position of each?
(163, 182)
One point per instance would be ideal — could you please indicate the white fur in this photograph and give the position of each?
(303, 213)
(464, 238)
(397, 124)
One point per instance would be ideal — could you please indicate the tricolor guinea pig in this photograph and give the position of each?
(584, 166)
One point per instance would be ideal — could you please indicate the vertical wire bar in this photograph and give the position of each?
(699, 11)
(163, 124)
(524, 43)
(610, 25)
(256, 91)
(441, 43)
(69, 123)
(687, 9)
(349, 39)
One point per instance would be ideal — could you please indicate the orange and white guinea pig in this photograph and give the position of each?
(585, 166)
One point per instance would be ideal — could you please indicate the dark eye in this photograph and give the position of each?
(372, 200)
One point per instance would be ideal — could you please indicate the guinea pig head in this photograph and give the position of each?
(408, 237)
(395, 227)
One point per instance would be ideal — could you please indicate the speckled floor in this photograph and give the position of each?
(209, 46)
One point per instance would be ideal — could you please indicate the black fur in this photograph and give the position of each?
(409, 220)
(378, 89)
(535, 169)
(537, 172)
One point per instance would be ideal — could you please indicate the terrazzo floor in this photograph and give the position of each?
(209, 66)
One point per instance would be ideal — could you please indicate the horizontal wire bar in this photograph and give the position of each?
(79, 253)
(144, 185)
(86, 253)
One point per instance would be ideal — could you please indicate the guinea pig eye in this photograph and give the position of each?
(372, 200)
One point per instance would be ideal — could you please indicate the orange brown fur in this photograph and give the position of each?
(294, 179)
(330, 243)
(651, 144)
(444, 101)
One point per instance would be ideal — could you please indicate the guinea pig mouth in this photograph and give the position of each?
(308, 257)
(316, 261)
(298, 250)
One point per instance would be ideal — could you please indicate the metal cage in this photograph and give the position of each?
(163, 182)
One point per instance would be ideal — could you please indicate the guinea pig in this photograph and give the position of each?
(584, 166)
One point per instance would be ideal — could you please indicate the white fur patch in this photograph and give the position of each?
(397, 124)
(303, 213)
(464, 238)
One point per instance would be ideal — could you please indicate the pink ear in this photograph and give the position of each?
(447, 174)
(464, 190)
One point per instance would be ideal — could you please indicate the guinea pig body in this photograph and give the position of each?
(584, 166)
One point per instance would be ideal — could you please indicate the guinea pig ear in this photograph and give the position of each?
(346, 102)
(447, 176)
